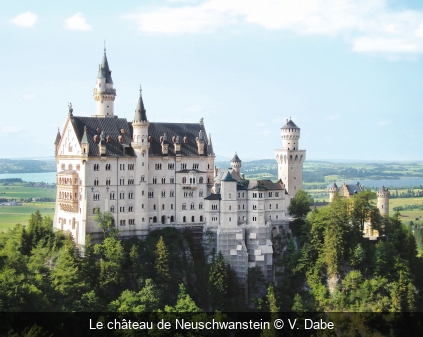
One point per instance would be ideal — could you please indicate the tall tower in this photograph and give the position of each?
(332, 191)
(290, 159)
(236, 164)
(104, 94)
(140, 144)
(383, 200)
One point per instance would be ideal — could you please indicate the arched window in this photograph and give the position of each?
(184, 219)
(192, 206)
(154, 219)
(184, 180)
(184, 207)
(172, 218)
(201, 218)
(193, 218)
(200, 206)
(201, 180)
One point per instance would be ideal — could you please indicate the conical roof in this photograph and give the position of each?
(104, 70)
(235, 159)
(290, 124)
(140, 112)
(58, 137)
(84, 139)
(210, 146)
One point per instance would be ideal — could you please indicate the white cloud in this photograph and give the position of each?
(10, 129)
(194, 108)
(77, 22)
(29, 96)
(368, 25)
(26, 20)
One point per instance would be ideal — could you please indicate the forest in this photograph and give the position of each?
(328, 267)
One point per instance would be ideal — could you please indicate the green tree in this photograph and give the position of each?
(184, 304)
(106, 222)
(146, 300)
(300, 204)
(218, 283)
(162, 264)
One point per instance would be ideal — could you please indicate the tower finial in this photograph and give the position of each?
(104, 46)
(140, 90)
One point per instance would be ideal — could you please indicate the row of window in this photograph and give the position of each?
(184, 206)
(70, 167)
(255, 206)
(262, 195)
(108, 167)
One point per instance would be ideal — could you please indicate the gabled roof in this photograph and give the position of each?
(263, 185)
(112, 127)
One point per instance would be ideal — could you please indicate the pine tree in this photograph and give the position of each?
(218, 283)
(162, 264)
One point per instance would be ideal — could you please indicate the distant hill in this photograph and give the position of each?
(26, 165)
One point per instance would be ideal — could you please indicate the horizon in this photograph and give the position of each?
(350, 78)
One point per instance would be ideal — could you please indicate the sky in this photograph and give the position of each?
(348, 73)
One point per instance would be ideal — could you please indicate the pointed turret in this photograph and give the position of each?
(84, 142)
(104, 93)
(236, 164)
(210, 146)
(104, 70)
(58, 137)
(140, 112)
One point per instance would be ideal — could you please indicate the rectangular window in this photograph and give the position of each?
(277, 206)
(270, 194)
(276, 194)
(172, 180)
(131, 166)
(130, 181)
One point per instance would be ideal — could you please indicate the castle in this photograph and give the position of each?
(347, 191)
(152, 175)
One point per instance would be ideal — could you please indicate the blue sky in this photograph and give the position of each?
(349, 73)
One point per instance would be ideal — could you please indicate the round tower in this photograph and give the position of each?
(290, 159)
(383, 200)
(332, 191)
(290, 134)
(236, 164)
(104, 93)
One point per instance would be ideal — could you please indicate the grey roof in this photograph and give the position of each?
(58, 137)
(263, 185)
(383, 189)
(104, 70)
(290, 125)
(112, 127)
(334, 185)
(210, 150)
(140, 112)
(235, 159)
(354, 189)
(213, 197)
(227, 177)
(188, 130)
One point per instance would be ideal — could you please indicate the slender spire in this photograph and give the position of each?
(84, 139)
(140, 112)
(58, 137)
(104, 70)
(210, 146)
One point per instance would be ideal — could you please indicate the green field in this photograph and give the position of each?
(11, 215)
(407, 215)
(18, 191)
